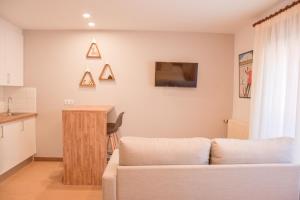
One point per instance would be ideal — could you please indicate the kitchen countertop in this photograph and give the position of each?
(101, 108)
(15, 117)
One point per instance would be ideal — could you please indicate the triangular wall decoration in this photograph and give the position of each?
(107, 73)
(87, 80)
(93, 51)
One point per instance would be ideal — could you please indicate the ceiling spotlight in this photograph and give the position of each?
(91, 24)
(86, 15)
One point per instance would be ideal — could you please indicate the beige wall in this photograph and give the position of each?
(243, 42)
(2, 104)
(55, 62)
(23, 99)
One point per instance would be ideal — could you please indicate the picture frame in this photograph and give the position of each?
(245, 74)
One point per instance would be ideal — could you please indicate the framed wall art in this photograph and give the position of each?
(245, 74)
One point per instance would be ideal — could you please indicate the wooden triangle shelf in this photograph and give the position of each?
(87, 80)
(107, 73)
(93, 51)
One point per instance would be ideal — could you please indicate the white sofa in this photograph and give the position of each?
(179, 169)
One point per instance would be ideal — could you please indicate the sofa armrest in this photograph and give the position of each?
(109, 178)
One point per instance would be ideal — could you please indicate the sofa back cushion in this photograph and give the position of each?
(233, 151)
(135, 151)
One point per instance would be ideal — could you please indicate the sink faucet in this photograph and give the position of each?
(9, 101)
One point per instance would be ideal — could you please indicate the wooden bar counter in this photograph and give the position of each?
(85, 144)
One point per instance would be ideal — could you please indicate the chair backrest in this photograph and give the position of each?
(119, 120)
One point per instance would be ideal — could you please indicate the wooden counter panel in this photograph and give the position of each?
(85, 143)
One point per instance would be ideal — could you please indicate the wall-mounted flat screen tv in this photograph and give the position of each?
(176, 74)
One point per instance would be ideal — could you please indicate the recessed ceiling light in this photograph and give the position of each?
(86, 15)
(91, 24)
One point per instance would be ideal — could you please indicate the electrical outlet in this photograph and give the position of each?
(69, 101)
(66, 101)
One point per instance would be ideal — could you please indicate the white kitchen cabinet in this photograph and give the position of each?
(9, 146)
(29, 144)
(11, 55)
(2, 52)
(17, 143)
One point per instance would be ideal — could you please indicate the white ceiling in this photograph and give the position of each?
(220, 16)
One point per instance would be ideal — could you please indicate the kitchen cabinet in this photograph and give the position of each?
(85, 144)
(17, 143)
(11, 55)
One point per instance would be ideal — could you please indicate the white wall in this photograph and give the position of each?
(23, 99)
(2, 104)
(243, 42)
(55, 62)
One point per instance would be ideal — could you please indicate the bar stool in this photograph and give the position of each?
(112, 129)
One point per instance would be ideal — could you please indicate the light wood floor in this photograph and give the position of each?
(42, 181)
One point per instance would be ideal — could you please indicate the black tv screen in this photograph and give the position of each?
(176, 74)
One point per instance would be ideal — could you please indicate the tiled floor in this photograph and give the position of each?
(42, 181)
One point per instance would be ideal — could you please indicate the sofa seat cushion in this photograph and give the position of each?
(135, 151)
(233, 151)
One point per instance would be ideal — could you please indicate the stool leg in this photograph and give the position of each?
(112, 142)
(116, 139)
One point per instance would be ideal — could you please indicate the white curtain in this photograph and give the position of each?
(275, 103)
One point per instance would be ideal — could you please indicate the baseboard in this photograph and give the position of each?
(13, 170)
(48, 159)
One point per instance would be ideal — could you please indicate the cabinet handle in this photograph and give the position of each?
(2, 134)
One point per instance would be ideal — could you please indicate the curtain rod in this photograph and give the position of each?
(276, 13)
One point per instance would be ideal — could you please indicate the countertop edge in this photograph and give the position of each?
(106, 108)
(17, 118)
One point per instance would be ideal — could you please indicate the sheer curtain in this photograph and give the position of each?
(275, 103)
